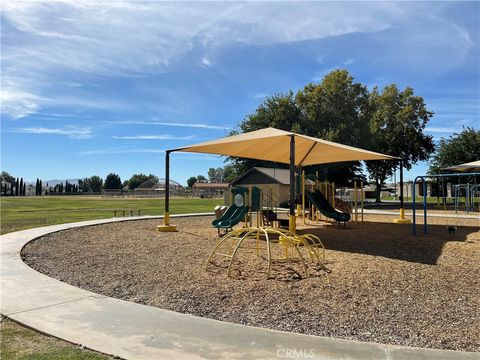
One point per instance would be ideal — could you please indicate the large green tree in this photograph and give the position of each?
(5, 176)
(337, 109)
(455, 150)
(215, 175)
(229, 173)
(397, 122)
(341, 110)
(112, 181)
(201, 178)
(138, 179)
(191, 181)
(95, 183)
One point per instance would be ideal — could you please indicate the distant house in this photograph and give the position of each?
(270, 179)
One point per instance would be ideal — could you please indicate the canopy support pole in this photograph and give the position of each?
(401, 219)
(167, 227)
(292, 219)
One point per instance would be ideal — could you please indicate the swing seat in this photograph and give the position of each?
(451, 229)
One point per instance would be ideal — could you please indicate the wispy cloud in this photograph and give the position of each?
(260, 95)
(18, 104)
(207, 62)
(72, 132)
(444, 130)
(121, 150)
(137, 39)
(173, 124)
(154, 137)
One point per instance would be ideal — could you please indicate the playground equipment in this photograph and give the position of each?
(235, 213)
(279, 146)
(244, 203)
(472, 191)
(424, 187)
(323, 201)
(322, 204)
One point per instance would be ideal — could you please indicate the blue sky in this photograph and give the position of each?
(97, 87)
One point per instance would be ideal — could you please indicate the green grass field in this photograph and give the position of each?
(27, 212)
(17, 342)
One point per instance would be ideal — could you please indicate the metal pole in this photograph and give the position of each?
(402, 211)
(303, 196)
(362, 196)
(166, 227)
(167, 189)
(355, 199)
(414, 219)
(292, 184)
(424, 185)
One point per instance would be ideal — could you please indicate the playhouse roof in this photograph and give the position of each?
(272, 144)
(270, 176)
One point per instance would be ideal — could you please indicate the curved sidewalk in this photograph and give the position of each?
(135, 331)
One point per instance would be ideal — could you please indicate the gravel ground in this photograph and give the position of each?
(383, 284)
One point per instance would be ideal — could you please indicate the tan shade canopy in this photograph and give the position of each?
(467, 167)
(272, 144)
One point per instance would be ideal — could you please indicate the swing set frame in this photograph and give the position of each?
(424, 187)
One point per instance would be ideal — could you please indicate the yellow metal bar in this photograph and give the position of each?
(362, 197)
(166, 227)
(292, 224)
(355, 199)
(303, 196)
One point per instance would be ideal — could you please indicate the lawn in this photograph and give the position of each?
(17, 342)
(28, 212)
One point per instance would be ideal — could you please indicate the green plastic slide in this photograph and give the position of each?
(322, 204)
(231, 217)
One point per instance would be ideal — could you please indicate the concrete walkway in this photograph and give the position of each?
(135, 331)
(419, 213)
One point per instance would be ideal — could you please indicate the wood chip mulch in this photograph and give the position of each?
(382, 284)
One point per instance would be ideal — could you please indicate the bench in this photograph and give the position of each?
(126, 211)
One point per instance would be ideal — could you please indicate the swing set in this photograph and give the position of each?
(451, 228)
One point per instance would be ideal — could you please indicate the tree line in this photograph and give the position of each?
(12, 186)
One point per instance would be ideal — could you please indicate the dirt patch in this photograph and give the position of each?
(383, 284)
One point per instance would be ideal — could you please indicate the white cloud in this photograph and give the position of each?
(172, 124)
(441, 129)
(260, 95)
(122, 150)
(72, 132)
(129, 39)
(207, 62)
(18, 104)
(154, 137)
